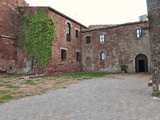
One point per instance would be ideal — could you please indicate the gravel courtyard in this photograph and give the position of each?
(115, 97)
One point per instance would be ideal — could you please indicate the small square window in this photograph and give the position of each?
(63, 55)
(78, 56)
(88, 39)
(138, 33)
(101, 38)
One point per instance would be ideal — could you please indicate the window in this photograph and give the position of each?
(68, 32)
(78, 56)
(138, 33)
(102, 56)
(88, 39)
(77, 33)
(63, 55)
(101, 38)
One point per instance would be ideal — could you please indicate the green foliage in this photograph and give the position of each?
(11, 86)
(87, 75)
(124, 68)
(30, 82)
(36, 37)
(156, 93)
(7, 97)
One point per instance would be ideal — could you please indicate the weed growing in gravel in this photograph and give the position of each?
(2, 92)
(56, 76)
(7, 97)
(86, 75)
(11, 86)
(30, 82)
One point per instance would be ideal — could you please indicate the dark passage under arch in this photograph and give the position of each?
(141, 63)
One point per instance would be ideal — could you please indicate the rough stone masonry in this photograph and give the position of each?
(9, 24)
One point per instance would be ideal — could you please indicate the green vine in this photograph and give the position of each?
(36, 37)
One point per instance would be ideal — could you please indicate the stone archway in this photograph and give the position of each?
(141, 63)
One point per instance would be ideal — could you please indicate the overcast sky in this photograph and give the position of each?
(92, 12)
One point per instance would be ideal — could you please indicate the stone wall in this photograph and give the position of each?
(9, 24)
(121, 46)
(70, 65)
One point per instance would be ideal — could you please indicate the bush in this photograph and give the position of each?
(124, 68)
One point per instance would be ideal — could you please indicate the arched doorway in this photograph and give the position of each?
(141, 63)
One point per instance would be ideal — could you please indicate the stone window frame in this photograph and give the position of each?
(77, 33)
(68, 30)
(63, 54)
(78, 56)
(102, 56)
(101, 38)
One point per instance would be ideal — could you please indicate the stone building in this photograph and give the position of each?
(76, 47)
(154, 23)
(106, 48)
(66, 50)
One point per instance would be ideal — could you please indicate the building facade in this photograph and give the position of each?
(108, 48)
(66, 49)
(76, 47)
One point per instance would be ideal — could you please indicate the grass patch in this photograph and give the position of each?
(7, 97)
(87, 75)
(7, 81)
(11, 86)
(14, 87)
(61, 81)
(156, 93)
(30, 82)
(2, 92)
(56, 76)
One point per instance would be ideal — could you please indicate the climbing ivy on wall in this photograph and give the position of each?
(36, 37)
